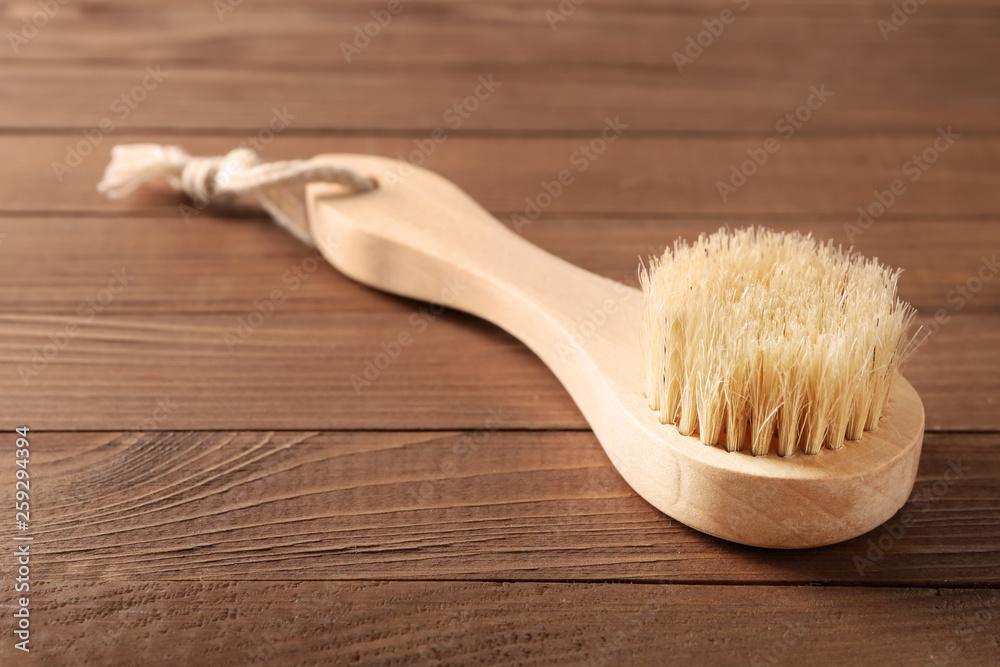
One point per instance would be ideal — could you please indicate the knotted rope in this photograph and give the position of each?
(278, 186)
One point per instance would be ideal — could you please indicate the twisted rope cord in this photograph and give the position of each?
(278, 186)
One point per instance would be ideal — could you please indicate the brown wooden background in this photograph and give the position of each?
(196, 506)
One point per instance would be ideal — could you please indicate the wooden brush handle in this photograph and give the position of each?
(418, 235)
(424, 238)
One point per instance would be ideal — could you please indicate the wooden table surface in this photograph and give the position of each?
(203, 493)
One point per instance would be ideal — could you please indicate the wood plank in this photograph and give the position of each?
(866, 82)
(189, 287)
(480, 505)
(428, 58)
(96, 369)
(122, 622)
(329, 370)
(507, 538)
(309, 33)
(808, 176)
(220, 265)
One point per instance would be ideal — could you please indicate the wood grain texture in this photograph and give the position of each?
(297, 370)
(808, 176)
(604, 59)
(369, 623)
(308, 32)
(479, 505)
(220, 265)
(165, 334)
(165, 546)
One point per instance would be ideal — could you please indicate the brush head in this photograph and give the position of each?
(752, 334)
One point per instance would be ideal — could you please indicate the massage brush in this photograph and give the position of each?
(749, 389)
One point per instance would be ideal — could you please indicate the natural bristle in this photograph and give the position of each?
(752, 334)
